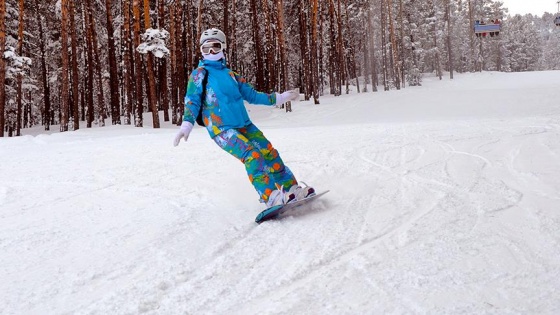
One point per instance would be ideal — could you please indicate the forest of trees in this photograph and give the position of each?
(75, 64)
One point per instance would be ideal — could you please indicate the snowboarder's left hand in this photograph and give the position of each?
(184, 132)
(287, 96)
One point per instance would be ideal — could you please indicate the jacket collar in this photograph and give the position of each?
(219, 64)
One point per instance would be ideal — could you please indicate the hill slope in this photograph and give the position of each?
(444, 199)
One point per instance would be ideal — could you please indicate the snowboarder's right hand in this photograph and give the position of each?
(184, 132)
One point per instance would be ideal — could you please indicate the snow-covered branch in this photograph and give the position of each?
(17, 64)
(154, 41)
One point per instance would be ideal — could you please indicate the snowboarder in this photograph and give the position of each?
(216, 93)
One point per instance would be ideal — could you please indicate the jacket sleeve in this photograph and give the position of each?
(253, 96)
(193, 101)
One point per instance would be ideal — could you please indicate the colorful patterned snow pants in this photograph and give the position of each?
(262, 162)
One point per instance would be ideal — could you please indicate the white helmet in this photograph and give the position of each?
(213, 33)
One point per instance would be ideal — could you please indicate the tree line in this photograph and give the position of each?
(77, 63)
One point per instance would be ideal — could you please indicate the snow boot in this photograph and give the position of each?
(276, 198)
(297, 193)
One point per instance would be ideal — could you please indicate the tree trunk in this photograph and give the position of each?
(65, 86)
(402, 56)
(225, 27)
(75, 74)
(101, 109)
(199, 18)
(471, 37)
(499, 55)
(90, 117)
(394, 47)
(2, 65)
(434, 29)
(366, 65)
(189, 57)
(371, 37)
(282, 47)
(334, 65)
(185, 59)
(44, 76)
(270, 77)
(341, 51)
(384, 46)
(258, 46)
(19, 96)
(314, 62)
(151, 76)
(351, 60)
(174, 52)
(449, 48)
(127, 69)
(113, 75)
(163, 68)
(138, 120)
(304, 51)
(232, 45)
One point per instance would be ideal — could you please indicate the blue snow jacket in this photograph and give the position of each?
(223, 107)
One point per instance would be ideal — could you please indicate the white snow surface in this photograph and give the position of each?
(445, 199)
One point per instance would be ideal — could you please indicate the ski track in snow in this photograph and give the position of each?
(434, 208)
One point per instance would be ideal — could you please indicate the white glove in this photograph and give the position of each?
(287, 96)
(184, 132)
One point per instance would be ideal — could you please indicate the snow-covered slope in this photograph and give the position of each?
(444, 198)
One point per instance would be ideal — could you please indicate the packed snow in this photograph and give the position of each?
(444, 199)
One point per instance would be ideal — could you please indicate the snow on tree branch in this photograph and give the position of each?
(17, 64)
(154, 41)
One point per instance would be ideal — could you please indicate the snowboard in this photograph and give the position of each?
(276, 211)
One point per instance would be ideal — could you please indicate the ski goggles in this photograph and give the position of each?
(212, 47)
